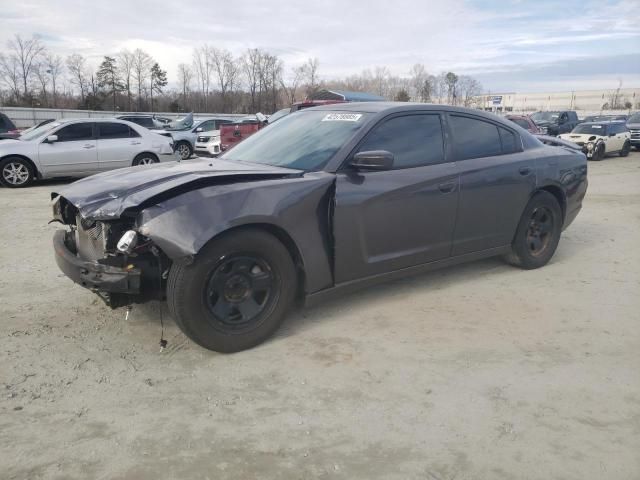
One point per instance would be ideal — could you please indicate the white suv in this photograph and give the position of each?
(208, 142)
(599, 139)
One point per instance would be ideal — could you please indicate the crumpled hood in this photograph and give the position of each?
(106, 195)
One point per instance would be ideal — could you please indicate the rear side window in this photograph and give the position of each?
(509, 141)
(474, 138)
(115, 130)
(75, 132)
(414, 140)
(3, 126)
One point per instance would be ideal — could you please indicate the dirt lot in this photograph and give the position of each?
(481, 371)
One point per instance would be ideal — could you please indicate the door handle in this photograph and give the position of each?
(88, 146)
(136, 143)
(447, 187)
(525, 171)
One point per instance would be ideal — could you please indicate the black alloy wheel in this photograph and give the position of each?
(539, 231)
(239, 290)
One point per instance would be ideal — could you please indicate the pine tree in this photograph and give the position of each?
(158, 80)
(109, 78)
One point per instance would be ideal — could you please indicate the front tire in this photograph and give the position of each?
(184, 149)
(538, 232)
(16, 172)
(236, 292)
(626, 148)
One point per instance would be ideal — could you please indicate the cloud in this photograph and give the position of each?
(494, 40)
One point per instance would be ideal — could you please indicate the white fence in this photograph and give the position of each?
(27, 117)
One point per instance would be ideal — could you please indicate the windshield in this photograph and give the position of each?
(591, 128)
(520, 121)
(545, 116)
(635, 118)
(304, 140)
(38, 132)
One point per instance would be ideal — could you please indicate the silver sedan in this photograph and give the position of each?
(77, 148)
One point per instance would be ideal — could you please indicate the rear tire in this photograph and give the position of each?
(145, 159)
(236, 292)
(538, 232)
(16, 172)
(626, 148)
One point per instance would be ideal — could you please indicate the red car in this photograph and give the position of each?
(525, 122)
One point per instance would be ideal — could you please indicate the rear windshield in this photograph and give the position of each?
(545, 116)
(520, 121)
(591, 128)
(303, 140)
(635, 118)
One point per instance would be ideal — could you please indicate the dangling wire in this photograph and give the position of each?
(163, 342)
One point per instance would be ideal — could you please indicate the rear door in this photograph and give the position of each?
(388, 220)
(73, 154)
(497, 179)
(118, 144)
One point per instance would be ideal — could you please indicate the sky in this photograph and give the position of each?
(509, 45)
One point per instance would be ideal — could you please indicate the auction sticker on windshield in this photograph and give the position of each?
(342, 117)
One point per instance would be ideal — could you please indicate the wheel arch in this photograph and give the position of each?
(26, 159)
(284, 237)
(145, 152)
(559, 194)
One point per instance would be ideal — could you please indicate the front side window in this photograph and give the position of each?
(75, 132)
(473, 138)
(414, 140)
(304, 140)
(113, 130)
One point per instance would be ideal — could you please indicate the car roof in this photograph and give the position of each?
(395, 107)
(605, 122)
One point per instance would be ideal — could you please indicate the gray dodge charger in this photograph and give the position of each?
(322, 202)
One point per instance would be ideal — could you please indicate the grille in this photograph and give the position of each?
(90, 240)
(580, 144)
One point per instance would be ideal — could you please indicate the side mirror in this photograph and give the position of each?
(372, 160)
(198, 130)
(52, 139)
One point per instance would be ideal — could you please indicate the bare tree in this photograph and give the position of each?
(142, 63)
(125, 65)
(27, 52)
(381, 78)
(469, 89)
(42, 76)
(184, 78)
(226, 71)
(251, 66)
(451, 79)
(77, 66)
(54, 69)
(10, 75)
(203, 68)
(291, 87)
(311, 68)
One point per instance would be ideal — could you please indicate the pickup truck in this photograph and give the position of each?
(556, 122)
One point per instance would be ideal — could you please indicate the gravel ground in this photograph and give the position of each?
(481, 371)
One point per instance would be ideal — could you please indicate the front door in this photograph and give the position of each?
(388, 220)
(73, 154)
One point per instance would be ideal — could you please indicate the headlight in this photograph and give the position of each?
(128, 241)
(589, 146)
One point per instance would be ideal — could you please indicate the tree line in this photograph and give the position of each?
(215, 80)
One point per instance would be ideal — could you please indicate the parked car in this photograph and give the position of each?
(525, 122)
(79, 147)
(231, 136)
(321, 202)
(146, 121)
(555, 123)
(633, 124)
(7, 128)
(599, 139)
(208, 141)
(184, 139)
